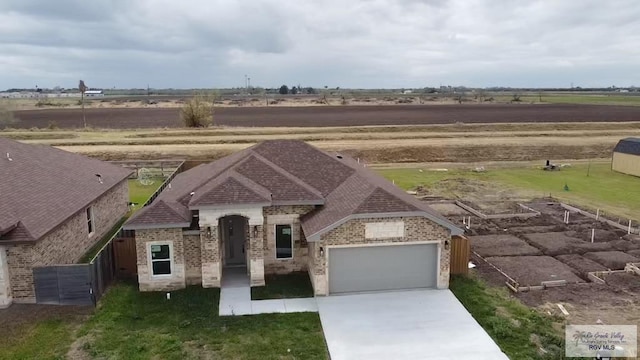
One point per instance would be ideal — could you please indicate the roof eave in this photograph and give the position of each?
(452, 228)
(299, 202)
(155, 226)
(228, 206)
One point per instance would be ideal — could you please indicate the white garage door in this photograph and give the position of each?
(377, 268)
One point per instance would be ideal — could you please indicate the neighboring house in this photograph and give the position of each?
(54, 206)
(626, 156)
(283, 206)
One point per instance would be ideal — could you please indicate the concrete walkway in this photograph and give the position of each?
(235, 298)
(419, 324)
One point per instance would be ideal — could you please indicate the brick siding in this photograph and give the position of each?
(66, 244)
(146, 281)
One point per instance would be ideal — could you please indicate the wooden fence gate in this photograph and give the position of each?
(124, 252)
(460, 252)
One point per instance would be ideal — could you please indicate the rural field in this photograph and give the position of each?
(488, 156)
(322, 115)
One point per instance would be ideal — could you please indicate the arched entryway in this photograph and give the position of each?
(234, 230)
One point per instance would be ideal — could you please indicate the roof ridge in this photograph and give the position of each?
(232, 175)
(246, 181)
(241, 156)
(288, 175)
(161, 201)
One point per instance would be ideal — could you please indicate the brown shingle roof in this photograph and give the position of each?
(161, 212)
(296, 173)
(42, 186)
(230, 190)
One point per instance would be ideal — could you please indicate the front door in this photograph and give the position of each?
(235, 232)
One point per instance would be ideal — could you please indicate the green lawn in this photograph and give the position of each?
(134, 325)
(48, 339)
(586, 99)
(518, 330)
(139, 193)
(293, 285)
(613, 192)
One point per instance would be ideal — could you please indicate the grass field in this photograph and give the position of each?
(139, 194)
(519, 331)
(613, 192)
(293, 285)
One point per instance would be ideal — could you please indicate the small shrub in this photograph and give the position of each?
(52, 125)
(197, 112)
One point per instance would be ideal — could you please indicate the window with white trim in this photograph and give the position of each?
(284, 242)
(90, 222)
(160, 259)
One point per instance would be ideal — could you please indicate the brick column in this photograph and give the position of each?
(445, 260)
(5, 285)
(210, 256)
(256, 254)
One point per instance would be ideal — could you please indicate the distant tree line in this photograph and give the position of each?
(294, 90)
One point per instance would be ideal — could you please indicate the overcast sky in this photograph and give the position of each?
(346, 43)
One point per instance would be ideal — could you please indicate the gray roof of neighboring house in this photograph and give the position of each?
(277, 172)
(629, 145)
(41, 187)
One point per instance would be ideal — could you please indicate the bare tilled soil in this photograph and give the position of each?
(580, 264)
(533, 270)
(614, 260)
(501, 245)
(314, 116)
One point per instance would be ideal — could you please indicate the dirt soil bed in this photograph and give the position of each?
(533, 270)
(634, 253)
(559, 243)
(501, 245)
(627, 281)
(314, 116)
(614, 260)
(580, 264)
(447, 209)
(540, 220)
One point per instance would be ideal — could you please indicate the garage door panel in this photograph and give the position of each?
(376, 268)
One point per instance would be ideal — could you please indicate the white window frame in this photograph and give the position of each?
(150, 259)
(91, 220)
(275, 241)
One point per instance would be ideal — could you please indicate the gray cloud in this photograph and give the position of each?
(378, 43)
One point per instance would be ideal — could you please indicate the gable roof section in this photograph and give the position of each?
(41, 187)
(312, 166)
(381, 201)
(226, 190)
(629, 145)
(160, 214)
(283, 187)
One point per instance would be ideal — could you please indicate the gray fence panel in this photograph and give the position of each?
(46, 283)
(74, 283)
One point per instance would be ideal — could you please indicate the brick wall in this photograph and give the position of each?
(285, 215)
(67, 243)
(5, 286)
(192, 259)
(210, 257)
(146, 280)
(354, 232)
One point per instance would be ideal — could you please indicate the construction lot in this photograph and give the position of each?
(546, 259)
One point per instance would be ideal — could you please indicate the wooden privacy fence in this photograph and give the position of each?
(460, 252)
(77, 284)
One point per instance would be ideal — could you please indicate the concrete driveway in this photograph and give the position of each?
(418, 324)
